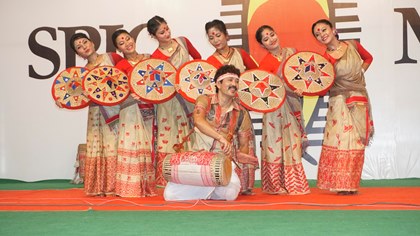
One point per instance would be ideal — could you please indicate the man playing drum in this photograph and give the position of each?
(222, 125)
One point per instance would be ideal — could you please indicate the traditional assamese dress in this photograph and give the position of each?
(349, 125)
(135, 166)
(174, 117)
(283, 137)
(101, 143)
(241, 60)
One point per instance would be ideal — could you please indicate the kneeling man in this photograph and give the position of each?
(222, 125)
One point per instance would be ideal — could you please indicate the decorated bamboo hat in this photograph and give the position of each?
(196, 78)
(153, 80)
(261, 91)
(310, 72)
(67, 88)
(106, 85)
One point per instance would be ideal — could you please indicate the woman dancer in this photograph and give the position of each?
(174, 116)
(283, 133)
(135, 167)
(102, 127)
(349, 125)
(225, 55)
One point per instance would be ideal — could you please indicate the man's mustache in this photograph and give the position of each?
(233, 86)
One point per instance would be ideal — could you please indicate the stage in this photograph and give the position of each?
(72, 198)
(56, 207)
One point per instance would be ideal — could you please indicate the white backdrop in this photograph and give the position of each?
(38, 141)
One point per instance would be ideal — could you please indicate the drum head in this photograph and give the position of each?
(67, 88)
(310, 72)
(153, 80)
(106, 85)
(196, 78)
(261, 91)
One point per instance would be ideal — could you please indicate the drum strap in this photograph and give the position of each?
(234, 124)
(240, 118)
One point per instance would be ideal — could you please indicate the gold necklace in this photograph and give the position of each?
(227, 57)
(168, 49)
(134, 59)
(336, 49)
(132, 62)
(278, 57)
(96, 62)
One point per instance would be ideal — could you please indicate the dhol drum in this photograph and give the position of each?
(196, 78)
(106, 85)
(310, 72)
(67, 88)
(153, 80)
(201, 168)
(261, 91)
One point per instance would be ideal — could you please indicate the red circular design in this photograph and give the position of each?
(153, 80)
(106, 85)
(196, 78)
(310, 72)
(67, 88)
(261, 91)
